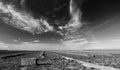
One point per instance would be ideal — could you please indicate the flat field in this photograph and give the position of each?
(60, 60)
(101, 57)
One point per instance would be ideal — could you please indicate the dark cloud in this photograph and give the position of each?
(94, 14)
(51, 9)
(95, 10)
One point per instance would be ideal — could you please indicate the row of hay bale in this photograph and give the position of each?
(42, 59)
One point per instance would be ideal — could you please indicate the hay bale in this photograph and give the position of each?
(45, 62)
(28, 61)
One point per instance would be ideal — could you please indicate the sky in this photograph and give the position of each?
(99, 26)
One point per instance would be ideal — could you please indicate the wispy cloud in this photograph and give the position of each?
(111, 44)
(3, 46)
(64, 46)
(22, 20)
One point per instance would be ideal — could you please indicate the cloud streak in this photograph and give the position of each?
(23, 20)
